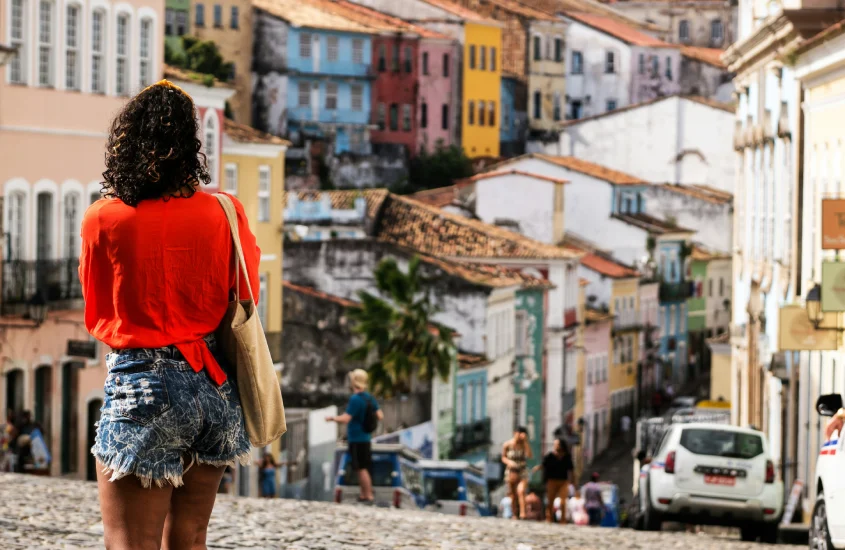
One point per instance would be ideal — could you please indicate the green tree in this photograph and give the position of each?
(199, 56)
(439, 168)
(399, 336)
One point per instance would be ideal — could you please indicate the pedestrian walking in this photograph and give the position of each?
(361, 417)
(515, 455)
(267, 476)
(158, 272)
(557, 475)
(593, 501)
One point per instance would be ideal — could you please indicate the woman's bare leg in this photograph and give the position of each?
(190, 509)
(520, 490)
(133, 517)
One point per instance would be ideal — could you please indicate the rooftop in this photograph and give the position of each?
(320, 295)
(471, 360)
(377, 20)
(653, 225)
(829, 33)
(608, 267)
(459, 11)
(701, 192)
(429, 230)
(441, 196)
(310, 14)
(500, 173)
(617, 29)
(522, 8)
(711, 56)
(576, 165)
(246, 134)
(700, 253)
(726, 107)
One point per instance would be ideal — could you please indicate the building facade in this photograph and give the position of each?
(704, 74)
(597, 416)
(702, 23)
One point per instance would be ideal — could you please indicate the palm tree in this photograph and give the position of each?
(398, 332)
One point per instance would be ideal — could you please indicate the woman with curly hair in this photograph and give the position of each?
(157, 271)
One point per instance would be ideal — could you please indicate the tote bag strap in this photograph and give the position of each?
(232, 217)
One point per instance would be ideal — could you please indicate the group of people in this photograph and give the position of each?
(22, 445)
(564, 501)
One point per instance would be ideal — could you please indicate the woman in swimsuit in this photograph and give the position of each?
(515, 455)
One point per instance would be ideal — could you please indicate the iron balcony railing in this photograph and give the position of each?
(470, 436)
(57, 280)
(675, 292)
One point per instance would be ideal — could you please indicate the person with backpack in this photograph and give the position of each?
(361, 417)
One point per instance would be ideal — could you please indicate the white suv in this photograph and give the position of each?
(712, 474)
(830, 485)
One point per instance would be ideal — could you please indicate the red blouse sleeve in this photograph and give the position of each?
(252, 254)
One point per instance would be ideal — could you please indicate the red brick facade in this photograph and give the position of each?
(395, 89)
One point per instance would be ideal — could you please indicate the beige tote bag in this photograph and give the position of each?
(242, 339)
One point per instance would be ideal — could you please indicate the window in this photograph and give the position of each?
(409, 64)
(556, 106)
(305, 46)
(609, 62)
(424, 115)
(394, 116)
(575, 107)
(331, 48)
(472, 57)
(483, 58)
(234, 20)
(425, 63)
(641, 65)
(211, 147)
(304, 94)
(683, 31)
(558, 50)
(471, 113)
(382, 58)
(181, 22)
(537, 48)
(655, 66)
(122, 75)
(716, 34)
(218, 15)
(357, 50)
(611, 104)
(17, 223)
(577, 63)
(72, 226)
(715, 442)
(145, 74)
(444, 117)
(394, 59)
(491, 113)
(45, 43)
(406, 118)
(264, 193)
(262, 298)
(19, 19)
(445, 65)
(230, 185)
(199, 16)
(493, 59)
(72, 48)
(668, 67)
(381, 113)
(95, 196)
(44, 226)
(357, 97)
(481, 119)
(331, 96)
(721, 287)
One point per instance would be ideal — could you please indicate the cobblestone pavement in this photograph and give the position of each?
(39, 513)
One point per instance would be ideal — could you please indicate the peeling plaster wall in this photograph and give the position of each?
(713, 223)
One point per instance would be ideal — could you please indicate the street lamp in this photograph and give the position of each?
(814, 309)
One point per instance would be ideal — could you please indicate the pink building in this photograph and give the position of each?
(650, 369)
(439, 81)
(597, 329)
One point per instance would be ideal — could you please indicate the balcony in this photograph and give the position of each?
(675, 292)
(470, 436)
(57, 279)
(627, 320)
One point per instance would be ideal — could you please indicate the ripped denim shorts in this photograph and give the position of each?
(159, 413)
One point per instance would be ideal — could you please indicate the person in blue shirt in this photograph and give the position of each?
(360, 450)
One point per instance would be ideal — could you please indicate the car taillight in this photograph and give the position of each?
(338, 495)
(463, 510)
(397, 498)
(669, 468)
(770, 472)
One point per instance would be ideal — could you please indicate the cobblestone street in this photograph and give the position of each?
(40, 513)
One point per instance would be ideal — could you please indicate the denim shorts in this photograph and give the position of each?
(158, 414)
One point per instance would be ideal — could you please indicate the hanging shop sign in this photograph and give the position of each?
(833, 224)
(833, 286)
(798, 334)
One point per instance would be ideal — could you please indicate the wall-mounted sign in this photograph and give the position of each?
(798, 334)
(833, 286)
(82, 348)
(833, 224)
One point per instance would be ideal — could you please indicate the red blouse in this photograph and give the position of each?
(162, 273)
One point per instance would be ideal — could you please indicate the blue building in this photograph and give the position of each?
(514, 124)
(311, 75)
(671, 257)
(471, 441)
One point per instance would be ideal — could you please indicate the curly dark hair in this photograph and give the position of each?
(153, 149)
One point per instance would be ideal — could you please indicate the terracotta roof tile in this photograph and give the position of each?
(615, 28)
(607, 267)
(828, 34)
(499, 173)
(177, 74)
(318, 294)
(468, 361)
(412, 224)
(651, 224)
(343, 200)
(441, 196)
(377, 20)
(459, 11)
(588, 6)
(246, 134)
(520, 8)
(308, 14)
(577, 165)
(702, 192)
(711, 56)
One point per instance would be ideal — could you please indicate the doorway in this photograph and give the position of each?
(14, 391)
(94, 409)
(44, 401)
(70, 417)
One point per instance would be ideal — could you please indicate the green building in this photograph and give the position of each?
(528, 379)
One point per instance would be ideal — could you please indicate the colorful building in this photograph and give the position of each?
(708, 308)
(472, 438)
(597, 337)
(514, 124)
(675, 288)
(530, 359)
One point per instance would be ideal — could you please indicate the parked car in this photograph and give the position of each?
(712, 474)
(827, 528)
(391, 464)
(449, 487)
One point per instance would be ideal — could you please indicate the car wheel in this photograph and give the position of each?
(652, 521)
(749, 533)
(819, 533)
(769, 533)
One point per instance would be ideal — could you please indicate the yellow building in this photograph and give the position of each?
(253, 169)
(624, 345)
(482, 76)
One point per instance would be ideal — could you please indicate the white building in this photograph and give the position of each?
(612, 65)
(707, 211)
(667, 140)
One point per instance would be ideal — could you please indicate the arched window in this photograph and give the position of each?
(17, 39)
(72, 225)
(146, 53)
(98, 47)
(46, 32)
(72, 43)
(210, 131)
(122, 68)
(44, 226)
(17, 225)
